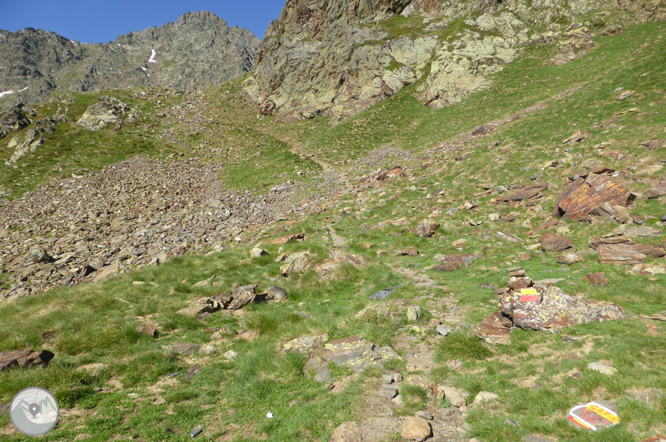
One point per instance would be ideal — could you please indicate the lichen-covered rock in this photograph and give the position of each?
(552, 310)
(356, 353)
(107, 110)
(305, 345)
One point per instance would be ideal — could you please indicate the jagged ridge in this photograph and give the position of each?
(198, 50)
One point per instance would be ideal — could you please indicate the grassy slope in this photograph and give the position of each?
(97, 323)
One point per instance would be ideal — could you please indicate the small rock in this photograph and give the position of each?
(192, 372)
(554, 243)
(415, 428)
(512, 422)
(601, 368)
(425, 415)
(258, 253)
(485, 397)
(184, 349)
(412, 251)
(650, 396)
(93, 369)
(150, 331)
(656, 438)
(231, 355)
(387, 379)
(597, 279)
(426, 229)
(384, 294)
(444, 330)
(569, 258)
(208, 349)
(196, 432)
(388, 391)
(516, 272)
(413, 313)
(305, 345)
(275, 294)
(347, 432)
(453, 396)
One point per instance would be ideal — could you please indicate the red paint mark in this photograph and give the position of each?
(529, 298)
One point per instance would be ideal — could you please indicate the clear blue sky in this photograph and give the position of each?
(101, 21)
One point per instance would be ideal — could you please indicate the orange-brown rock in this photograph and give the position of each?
(620, 254)
(656, 438)
(525, 193)
(595, 243)
(554, 243)
(583, 197)
(597, 279)
(415, 428)
(395, 172)
(495, 329)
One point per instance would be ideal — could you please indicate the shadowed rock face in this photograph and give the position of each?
(336, 58)
(198, 50)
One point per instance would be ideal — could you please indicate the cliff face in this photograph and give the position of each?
(336, 58)
(198, 50)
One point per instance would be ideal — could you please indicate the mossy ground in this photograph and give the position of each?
(98, 323)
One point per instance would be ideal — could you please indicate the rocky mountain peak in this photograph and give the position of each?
(198, 17)
(313, 16)
(198, 50)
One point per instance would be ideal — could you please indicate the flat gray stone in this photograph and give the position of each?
(425, 415)
(388, 391)
(444, 330)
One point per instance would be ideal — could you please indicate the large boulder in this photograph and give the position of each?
(595, 195)
(550, 309)
(107, 110)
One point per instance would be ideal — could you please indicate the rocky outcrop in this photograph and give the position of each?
(32, 139)
(107, 110)
(336, 58)
(15, 120)
(198, 50)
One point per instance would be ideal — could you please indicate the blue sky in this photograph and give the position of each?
(101, 21)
